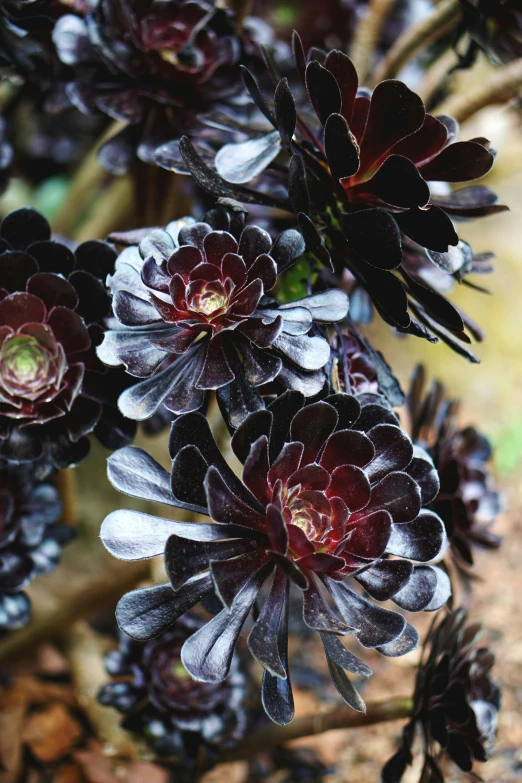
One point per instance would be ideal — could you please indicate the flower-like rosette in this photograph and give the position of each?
(193, 316)
(154, 66)
(456, 700)
(157, 696)
(53, 388)
(330, 499)
(39, 377)
(468, 501)
(373, 174)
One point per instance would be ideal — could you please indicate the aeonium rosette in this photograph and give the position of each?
(330, 502)
(192, 315)
(53, 389)
(156, 695)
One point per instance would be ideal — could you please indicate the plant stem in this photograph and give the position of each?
(318, 723)
(111, 210)
(366, 37)
(99, 590)
(438, 77)
(82, 649)
(502, 86)
(66, 485)
(83, 186)
(418, 37)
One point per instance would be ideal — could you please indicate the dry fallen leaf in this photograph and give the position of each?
(51, 733)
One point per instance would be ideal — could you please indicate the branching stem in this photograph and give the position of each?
(417, 37)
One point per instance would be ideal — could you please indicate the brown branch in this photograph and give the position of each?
(110, 211)
(82, 649)
(98, 591)
(419, 36)
(66, 485)
(502, 86)
(83, 187)
(367, 34)
(318, 723)
(438, 77)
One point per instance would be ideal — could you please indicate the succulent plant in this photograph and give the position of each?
(192, 315)
(456, 701)
(330, 491)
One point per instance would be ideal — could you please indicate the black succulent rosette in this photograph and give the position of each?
(159, 699)
(330, 501)
(495, 26)
(456, 702)
(153, 65)
(30, 540)
(468, 501)
(53, 389)
(192, 315)
(369, 177)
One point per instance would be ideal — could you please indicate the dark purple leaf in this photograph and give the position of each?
(185, 558)
(423, 539)
(418, 591)
(430, 227)
(297, 186)
(384, 578)
(207, 654)
(336, 650)
(312, 426)
(374, 235)
(263, 638)
(346, 77)
(344, 686)
(341, 147)
(375, 626)
(231, 576)
(399, 183)
(405, 643)
(460, 162)
(318, 615)
(393, 450)
(148, 611)
(276, 692)
(323, 91)
(256, 95)
(398, 494)
(285, 113)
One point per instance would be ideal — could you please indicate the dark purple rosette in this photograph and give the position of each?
(30, 540)
(158, 698)
(53, 389)
(456, 702)
(370, 175)
(153, 65)
(331, 502)
(468, 501)
(192, 315)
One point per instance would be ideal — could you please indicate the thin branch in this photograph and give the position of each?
(438, 78)
(367, 34)
(318, 723)
(83, 186)
(418, 37)
(502, 86)
(240, 8)
(66, 485)
(99, 590)
(82, 649)
(110, 211)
